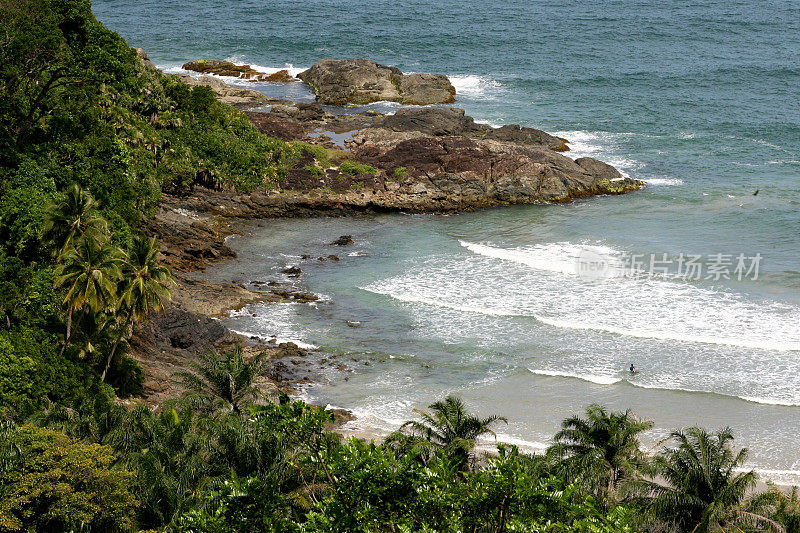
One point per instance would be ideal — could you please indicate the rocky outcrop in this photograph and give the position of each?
(463, 171)
(226, 68)
(142, 55)
(361, 81)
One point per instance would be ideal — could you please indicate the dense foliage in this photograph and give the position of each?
(89, 137)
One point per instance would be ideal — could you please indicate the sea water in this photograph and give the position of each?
(700, 101)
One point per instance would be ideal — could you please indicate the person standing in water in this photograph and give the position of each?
(633, 369)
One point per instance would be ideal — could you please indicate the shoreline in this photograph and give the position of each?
(366, 430)
(204, 218)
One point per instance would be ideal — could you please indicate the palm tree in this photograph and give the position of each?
(90, 271)
(170, 455)
(604, 445)
(70, 219)
(450, 428)
(227, 377)
(703, 490)
(145, 285)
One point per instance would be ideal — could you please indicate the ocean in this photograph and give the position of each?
(700, 100)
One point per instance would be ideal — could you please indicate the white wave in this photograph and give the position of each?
(473, 86)
(778, 476)
(611, 380)
(663, 181)
(528, 446)
(769, 401)
(599, 380)
(561, 257)
(667, 335)
(278, 340)
(603, 145)
(489, 123)
(293, 71)
(660, 308)
(178, 69)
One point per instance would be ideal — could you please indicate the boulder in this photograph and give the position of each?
(424, 89)
(361, 81)
(344, 240)
(142, 55)
(434, 121)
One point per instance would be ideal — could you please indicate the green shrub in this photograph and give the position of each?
(52, 482)
(354, 169)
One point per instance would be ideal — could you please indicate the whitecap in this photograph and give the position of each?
(474, 86)
(596, 379)
(663, 181)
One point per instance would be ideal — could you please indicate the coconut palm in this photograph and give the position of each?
(604, 445)
(450, 428)
(90, 273)
(71, 219)
(145, 284)
(226, 377)
(703, 489)
(170, 455)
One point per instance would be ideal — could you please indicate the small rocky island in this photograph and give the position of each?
(420, 159)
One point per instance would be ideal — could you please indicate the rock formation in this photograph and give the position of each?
(360, 81)
(226, 68)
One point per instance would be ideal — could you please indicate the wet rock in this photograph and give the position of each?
(292, 271)
(333, 257)
(361, 81)
(344, 240)
(301, 297)
(226, 68)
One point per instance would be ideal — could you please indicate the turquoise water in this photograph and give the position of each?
(701, 101)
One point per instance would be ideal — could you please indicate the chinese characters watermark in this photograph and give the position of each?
(684, 267)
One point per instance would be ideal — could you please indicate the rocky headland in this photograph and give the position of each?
(419, 159)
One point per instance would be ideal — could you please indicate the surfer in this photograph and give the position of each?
(632, 369)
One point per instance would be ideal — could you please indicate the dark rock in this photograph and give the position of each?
(435, 121)
(226, 68)
(361, 81)
(292, 271)
(529, 136)
(344, 240)
(598, 169)
(333, 257)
